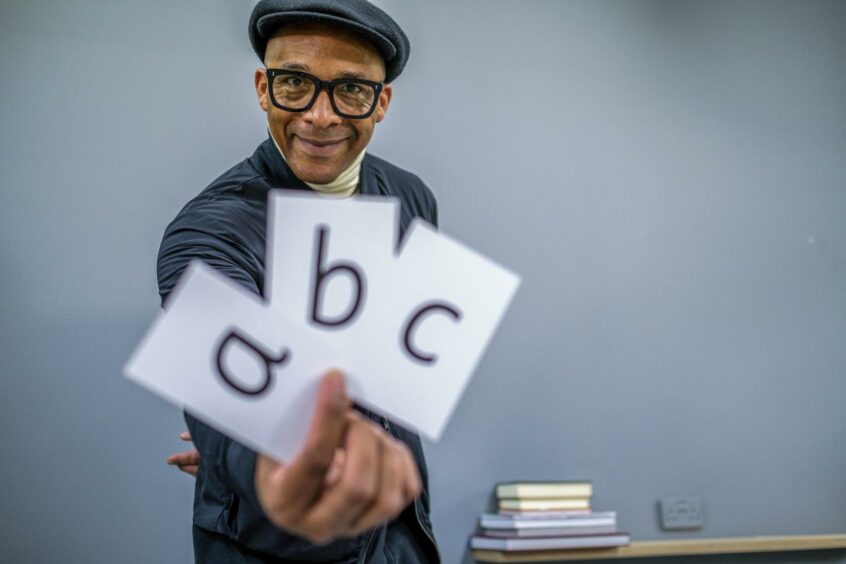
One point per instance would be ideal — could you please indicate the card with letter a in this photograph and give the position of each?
(219, 352)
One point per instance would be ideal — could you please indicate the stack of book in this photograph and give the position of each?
(546, 516)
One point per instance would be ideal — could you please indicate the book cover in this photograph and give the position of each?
(516, 522)
(548, 532)
(543, 514)
(544, 490)
(555, 543)
(542, 504)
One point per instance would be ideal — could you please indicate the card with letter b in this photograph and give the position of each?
(407, 324)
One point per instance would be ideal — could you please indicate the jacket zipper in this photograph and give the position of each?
(417, 516)
(372, 536)
(363, 558)
(426, 531)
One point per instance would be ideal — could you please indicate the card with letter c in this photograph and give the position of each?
(445, 304)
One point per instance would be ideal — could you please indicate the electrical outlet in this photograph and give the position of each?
(681, 513)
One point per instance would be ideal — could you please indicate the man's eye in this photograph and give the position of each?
(350, 88)
(293, 81)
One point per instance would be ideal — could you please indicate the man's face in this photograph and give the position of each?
(318, 144)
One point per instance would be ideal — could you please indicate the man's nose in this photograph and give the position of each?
(321, 113)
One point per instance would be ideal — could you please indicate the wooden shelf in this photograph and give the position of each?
(640, 549)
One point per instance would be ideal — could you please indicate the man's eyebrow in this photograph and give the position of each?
(305, 68)
(349, 74)
(295, 66)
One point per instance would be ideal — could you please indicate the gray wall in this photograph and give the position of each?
(668, 177)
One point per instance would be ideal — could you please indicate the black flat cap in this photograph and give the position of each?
(356, 15)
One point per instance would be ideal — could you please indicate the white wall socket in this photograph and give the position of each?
(681, 513)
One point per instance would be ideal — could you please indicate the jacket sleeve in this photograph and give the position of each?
(433, 210)
(206, 233)
(227, 237)
(425, 201)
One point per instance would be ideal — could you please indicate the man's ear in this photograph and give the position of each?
(261, 88)
(384, 102)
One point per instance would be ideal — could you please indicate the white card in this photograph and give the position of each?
(428, 333)
(329, 264)
(198, 355)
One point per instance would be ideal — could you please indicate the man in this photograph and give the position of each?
(358, 490)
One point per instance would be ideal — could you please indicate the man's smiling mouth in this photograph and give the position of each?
(319, 146)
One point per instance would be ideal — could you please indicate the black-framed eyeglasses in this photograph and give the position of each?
(296, 91)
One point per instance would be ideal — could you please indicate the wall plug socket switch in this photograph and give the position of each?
(681, 513)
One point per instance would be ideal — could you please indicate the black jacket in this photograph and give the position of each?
(225, 227)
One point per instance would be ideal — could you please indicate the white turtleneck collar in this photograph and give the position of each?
(344, 186)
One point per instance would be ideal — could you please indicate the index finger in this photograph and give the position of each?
(305, 475)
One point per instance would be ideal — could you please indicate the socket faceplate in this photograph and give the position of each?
(681, 513)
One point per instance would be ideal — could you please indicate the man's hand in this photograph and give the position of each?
(188, 461)
(349, 477)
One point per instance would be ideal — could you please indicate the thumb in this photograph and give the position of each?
(307, 472)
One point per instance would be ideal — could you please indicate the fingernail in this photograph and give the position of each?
(337, 386)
